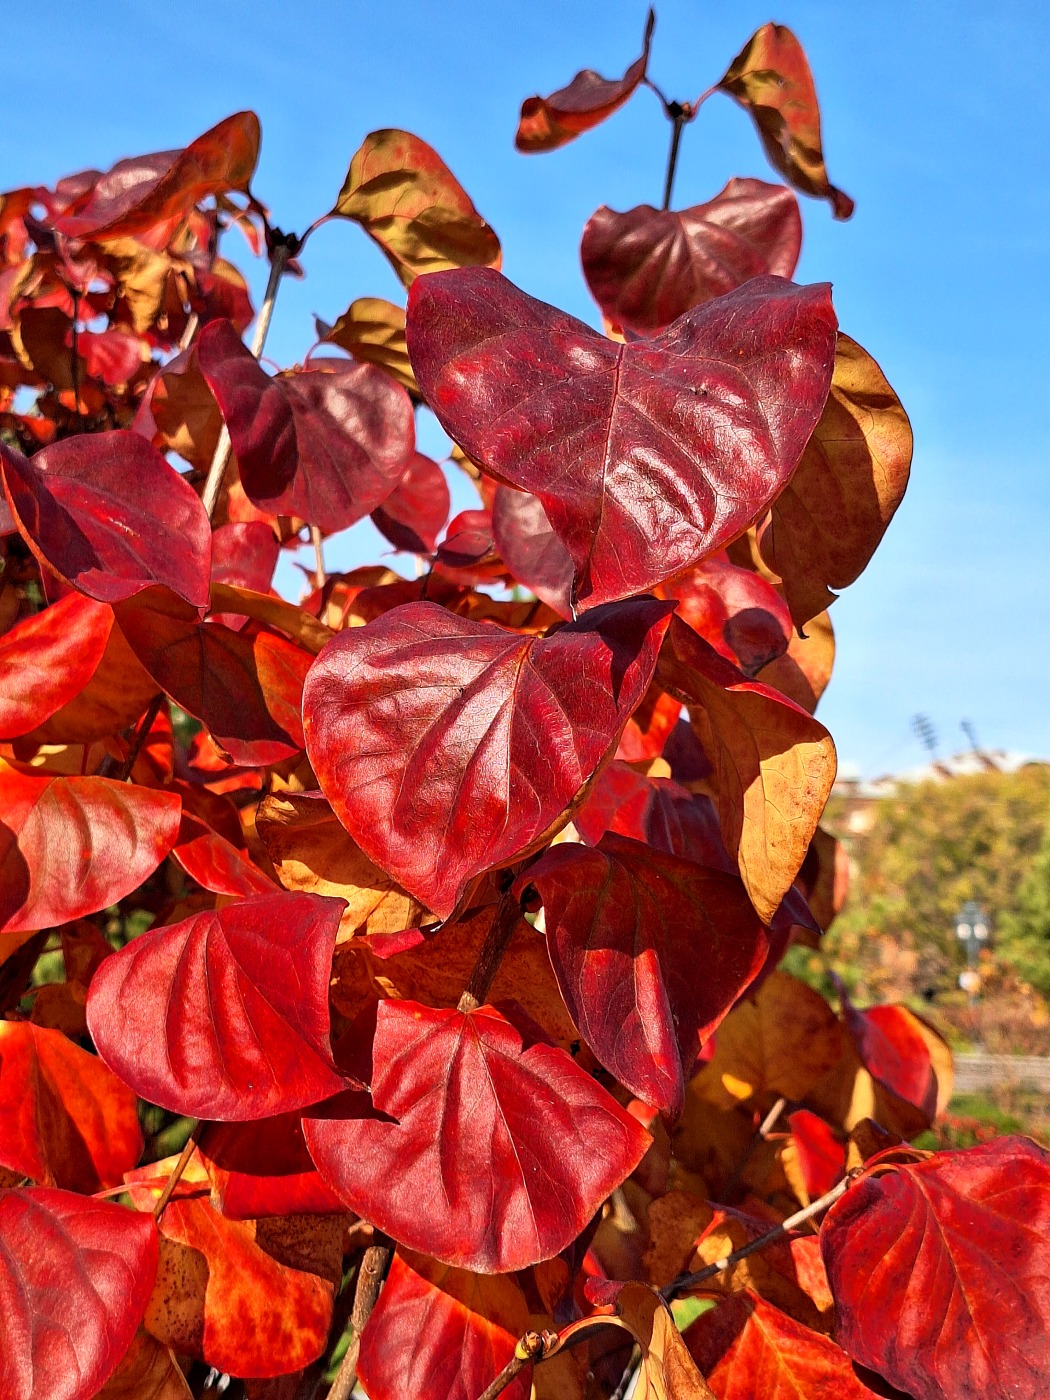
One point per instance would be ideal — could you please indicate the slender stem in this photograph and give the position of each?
(685, 1281)
(75, 353)
(529, 1350)
(189, 330)
(141, 735)
(370, 1278)
(759, 1134)
(678, 122)
(499, 935)
(628, 1374)
(219, 462)
(318, 544)
(176, 1176)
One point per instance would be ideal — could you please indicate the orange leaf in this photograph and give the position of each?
(373, 331)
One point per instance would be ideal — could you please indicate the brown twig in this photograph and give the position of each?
(499, 935)
(140, 737)
(220, 460)
(370, 1278)
(176, 1176)
(529, 1350)
(679, 115)
(686, 1281)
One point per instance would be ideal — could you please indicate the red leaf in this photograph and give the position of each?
(75, 1276)
(821, 1155)
(246, 686)
(113, 355)
(771, 80)
(940, 1272)
(47, 659)
(108, 514)
(657, 811)
(893, 1051)
(742, 616)
(747, 1347)
(549, 122)
(448, 747)
(224, 1015)
(327, 444)
(647, 267)
(441, 1332)
(626, 926)
(72, 846)
(263, 1168)
(65, 1118)
(147, 190)
(414, 513)
(244, 554)
(218, 866)
(530, 549)
(500, 1195)
(647, 457)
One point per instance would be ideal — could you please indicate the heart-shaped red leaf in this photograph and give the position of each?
(747, 1347)
(47, 659)
(941, 1272)
(108, 514)
(771, 80)
(75, 1276)
(649, 456)
(549, 122)
(449, 747)
(72, 846)
(224, 1015)
(647, 267)
(146, 190)
(327, 444)
(65, 1118)
(413, 515)
(465, 1095)
(627, 926)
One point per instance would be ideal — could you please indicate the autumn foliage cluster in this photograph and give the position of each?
(442, 915)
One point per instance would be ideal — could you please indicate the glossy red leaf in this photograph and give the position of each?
(941, 1272)
(110, 516)
(742, 615)
(746, 1347)
(219, 866)
(327, 444)
(821, 1156)
(147, 190)
(462, 1095)
(549, 122)
(530, 549)
(263, 1168)
(658, 811)
(244, 554)
(448, 747)
(65, 1118)
(439, 1333)
(771, 80)
(414, 513)
(246, 686)
(47, 659)
(224, 1015)
(647, 267)
(626, 927)
(75, 1276)
(649, 456)
(72, 846)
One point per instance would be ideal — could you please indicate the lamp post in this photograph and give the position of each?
(971, 929)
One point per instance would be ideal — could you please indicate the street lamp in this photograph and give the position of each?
(971, 929)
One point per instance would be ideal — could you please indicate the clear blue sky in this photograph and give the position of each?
(935, 120)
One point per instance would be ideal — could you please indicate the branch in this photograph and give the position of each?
(318, 544)
(679, 117)
(140, 737)
(499, 935)
(282, 252)
(686, 1281)
(176, 1176)
(370, 1278)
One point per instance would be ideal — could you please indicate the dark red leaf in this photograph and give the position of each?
(941, 1272)
(65, 1118)
(530, 549)
(448, 747)
(109, 515)
(647, 267)
(75, 1276)
(327, 444)
(742, 615)
(657, 811)
(646, 457)
(246, 686)
(468, 554)
(549, 122)
(500, 1193)
(224, 1015)
(263, 1168)
(72, 846)
(47, 659)
(147, 190)
(626, 927)
(244, 554)
(413, 515)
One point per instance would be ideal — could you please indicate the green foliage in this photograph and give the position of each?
(932, 847)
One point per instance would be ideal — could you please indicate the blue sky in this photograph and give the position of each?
(935, 121)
